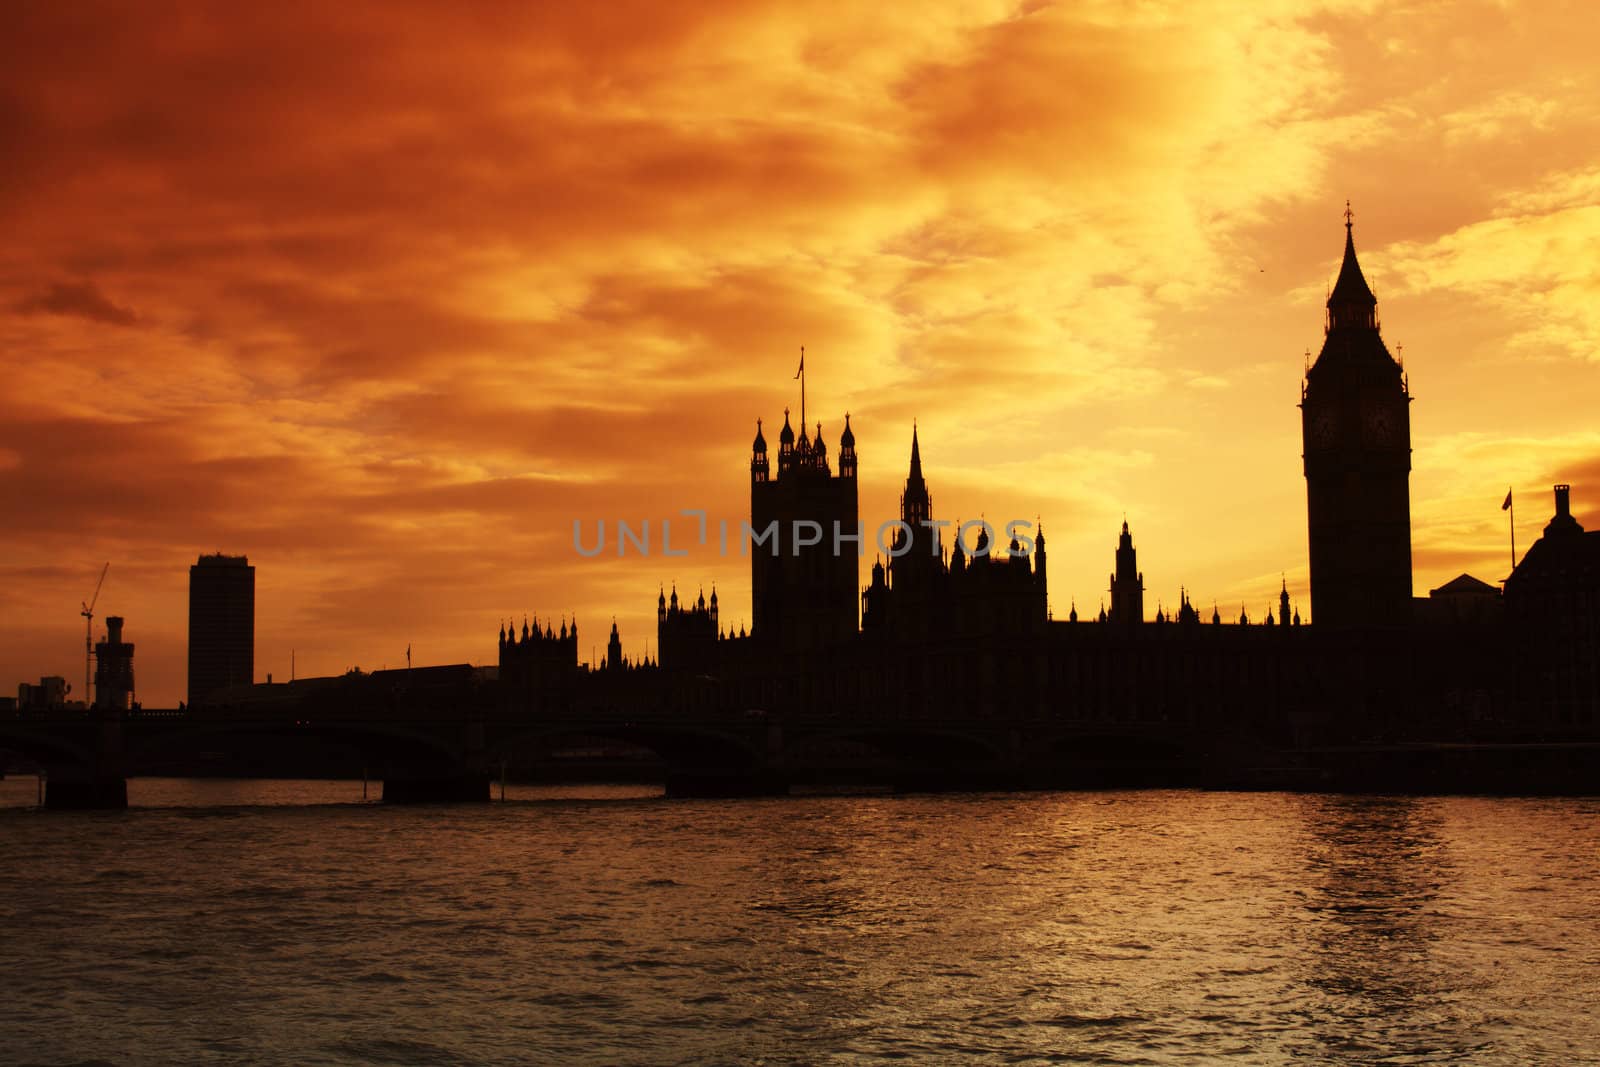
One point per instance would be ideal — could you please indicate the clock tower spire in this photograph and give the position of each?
(1356, 433)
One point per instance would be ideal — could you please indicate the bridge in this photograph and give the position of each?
(448, 753)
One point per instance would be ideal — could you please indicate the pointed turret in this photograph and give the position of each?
(847, 450)
(760, 471)
(614, 658)
(1351, 303)
(915, 504)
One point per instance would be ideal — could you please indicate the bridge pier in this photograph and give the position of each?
(97, 784)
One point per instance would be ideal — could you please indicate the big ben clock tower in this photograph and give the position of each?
(1356, 433)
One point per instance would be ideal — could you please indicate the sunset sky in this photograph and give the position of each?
(385, 296)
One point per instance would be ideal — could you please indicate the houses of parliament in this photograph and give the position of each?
(957, 632)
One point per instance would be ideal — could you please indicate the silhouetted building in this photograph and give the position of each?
(1553, 607)
(222, 625)
(963, 634)
(1463, 599)
(1356, 431)
(924, 593)
(541, 664)
(1127, 582)
(614, 649)
(113, 672)
(51, 692)
(803, 590)
(687, 634)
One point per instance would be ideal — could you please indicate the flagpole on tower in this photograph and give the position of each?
(801, 374)
(1510, 505)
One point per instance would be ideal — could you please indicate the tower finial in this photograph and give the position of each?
(1349, 216)
(801, 374)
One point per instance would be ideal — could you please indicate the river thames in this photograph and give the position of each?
(289, 923)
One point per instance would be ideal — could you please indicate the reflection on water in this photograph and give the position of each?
(1377, 867)
(288, 922)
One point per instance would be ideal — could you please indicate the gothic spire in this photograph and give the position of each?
(1351, 303)
(915, 504)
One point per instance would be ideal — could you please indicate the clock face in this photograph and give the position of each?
(1322, 430)
(1379, 426)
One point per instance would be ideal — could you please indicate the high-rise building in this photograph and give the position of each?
(1356, 432)
(222, 625)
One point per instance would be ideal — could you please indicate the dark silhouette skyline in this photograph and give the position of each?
(947, 669)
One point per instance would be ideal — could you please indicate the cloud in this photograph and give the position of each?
(1539, 269)
(82, 299)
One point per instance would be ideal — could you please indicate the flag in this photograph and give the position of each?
(802, 369)
(1507, 504)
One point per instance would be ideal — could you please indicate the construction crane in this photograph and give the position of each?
(88, 627)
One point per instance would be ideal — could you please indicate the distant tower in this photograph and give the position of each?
(113, 672)
(804, 596)
(1356, 432)
(1127, 584)
(222, 625)
(614, 649)
(923, 556)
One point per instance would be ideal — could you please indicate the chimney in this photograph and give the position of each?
(1563, 503)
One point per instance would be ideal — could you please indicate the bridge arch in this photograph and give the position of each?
(375, 739)
(677, 744)
(48, 748)
(899, 741)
